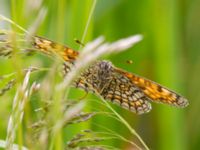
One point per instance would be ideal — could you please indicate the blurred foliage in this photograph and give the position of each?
(169, 54)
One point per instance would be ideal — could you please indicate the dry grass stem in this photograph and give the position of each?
(94, 50)
(16, 116)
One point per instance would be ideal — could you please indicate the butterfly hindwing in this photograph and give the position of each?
(122, 92)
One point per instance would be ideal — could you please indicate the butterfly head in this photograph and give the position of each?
(102, 73)
(104, 70)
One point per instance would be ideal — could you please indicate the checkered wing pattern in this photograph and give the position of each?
(154, 91)
(101, 79)
(124, 93)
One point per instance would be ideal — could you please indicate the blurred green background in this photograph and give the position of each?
(169, 54)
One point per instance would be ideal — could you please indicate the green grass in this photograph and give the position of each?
(168, 54)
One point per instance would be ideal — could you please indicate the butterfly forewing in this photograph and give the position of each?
(39, 44)
(52, 48)
(154, 91)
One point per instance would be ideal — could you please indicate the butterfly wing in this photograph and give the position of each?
(124, 93)
(118, 90)
(154, 91)
(52, 48)
(39, 44)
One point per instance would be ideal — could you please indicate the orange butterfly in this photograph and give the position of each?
(126, 89)
(121, 87)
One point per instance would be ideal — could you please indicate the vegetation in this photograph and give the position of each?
(38, 111)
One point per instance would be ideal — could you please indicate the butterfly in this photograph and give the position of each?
(126, 89)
